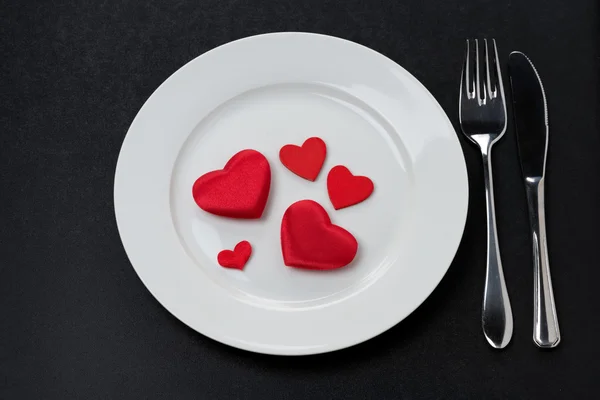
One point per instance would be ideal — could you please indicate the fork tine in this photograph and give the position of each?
(499, 83)
(477, 74)
(465, 76)
(491, 90)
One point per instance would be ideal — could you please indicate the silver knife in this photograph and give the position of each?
(531, 119)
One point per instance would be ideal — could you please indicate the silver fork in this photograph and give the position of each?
(483, 121)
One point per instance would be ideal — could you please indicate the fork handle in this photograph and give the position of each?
(546, 333)
(496, 319)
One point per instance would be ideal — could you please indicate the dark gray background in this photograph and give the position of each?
(77, 323)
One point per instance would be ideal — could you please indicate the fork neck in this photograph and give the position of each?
(485, 142)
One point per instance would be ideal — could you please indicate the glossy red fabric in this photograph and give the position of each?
(237, 258)
(306, 160)
(240, 190)
(346, 189)
(309, 239)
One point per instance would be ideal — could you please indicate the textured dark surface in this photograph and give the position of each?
(77, 323)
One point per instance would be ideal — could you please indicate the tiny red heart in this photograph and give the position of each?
(345, 189)
(309, 239)
(239, 190)
(237, 258)
(306, 160)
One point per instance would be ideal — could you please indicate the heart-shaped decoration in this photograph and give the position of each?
(305, 161)
(239, 190)
(346, 189)
(237, 258)
(309, 239)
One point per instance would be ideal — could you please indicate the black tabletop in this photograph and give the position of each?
(77, 323)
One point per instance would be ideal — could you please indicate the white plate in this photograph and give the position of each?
(263, 92)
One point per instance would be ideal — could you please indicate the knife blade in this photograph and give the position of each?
(531, 114)
(531, 120)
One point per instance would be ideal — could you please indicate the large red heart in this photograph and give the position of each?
(237, 258)
(309, 239)
(240, 190)
(346, 189)
(305, 161)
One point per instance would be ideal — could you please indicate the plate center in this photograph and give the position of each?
(265, 119)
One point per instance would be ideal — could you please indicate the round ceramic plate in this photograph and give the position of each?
(262, 93)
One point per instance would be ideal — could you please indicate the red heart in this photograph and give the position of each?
(346, 189)
(240, 190)
(236, 258)
(305, 161)
(309, 239)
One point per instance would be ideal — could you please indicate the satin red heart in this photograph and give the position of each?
(239, 190)
(237, 258)
(306, 160)
(346, 189)
(309, 239)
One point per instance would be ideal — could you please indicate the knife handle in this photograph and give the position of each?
(546, 333)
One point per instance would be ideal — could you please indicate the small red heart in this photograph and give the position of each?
(346, 189)
(240, 190)
(305, 161)
(237, 258)
(309, 239)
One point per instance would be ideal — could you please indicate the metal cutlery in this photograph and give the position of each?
(483, 120)
(531, 120)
